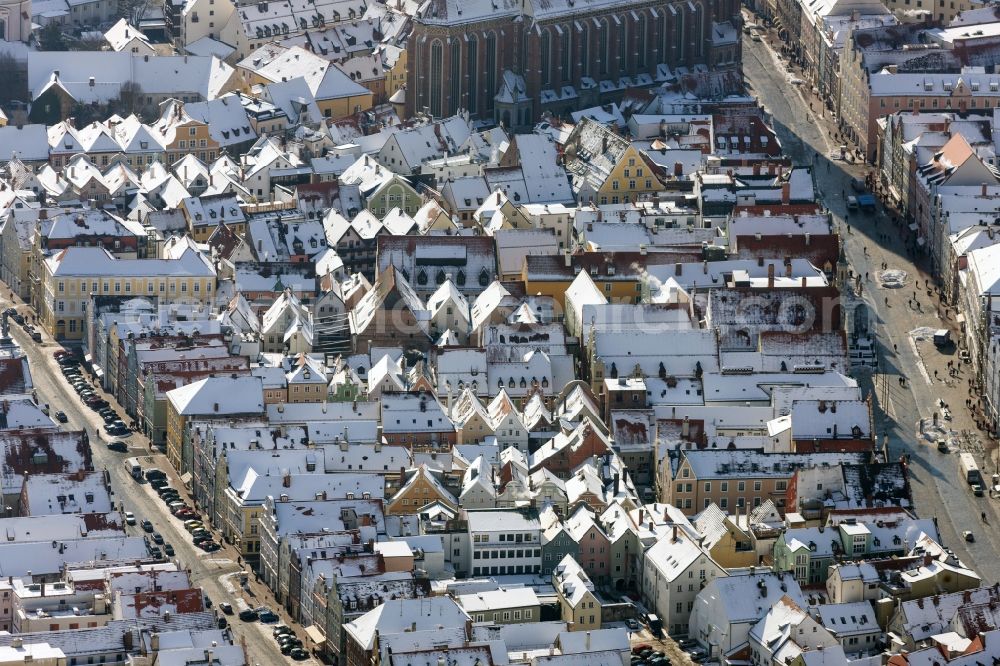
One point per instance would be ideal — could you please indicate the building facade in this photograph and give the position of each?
(511, 61)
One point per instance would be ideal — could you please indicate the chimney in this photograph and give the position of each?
(982, 192)
(704, 267)
(676, 537)
(215, 407)
(686, 428)
(803, 281)
(785, 188)
(928, 559)
(616, 484)
(807, 239)
(587, 647)
(92, 81)
(498, 198)
(788, 269)
(770, 276)
(286, 480)
(567, 258)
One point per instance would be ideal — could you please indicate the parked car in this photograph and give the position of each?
(36, 336)
(61, 417)
(209, 546)
(298, 654)
(280, 630)
(192, 525)
(222, 623)
(266, 615)
(632, 625)
(248, 615)
(146, 526)
(153, 473)
(129, 518)
(155, 552)
(168, 549)
(186, 514)
(157, 538)
(118, 446)
(156, 484)
(199, 539)
(226, 607)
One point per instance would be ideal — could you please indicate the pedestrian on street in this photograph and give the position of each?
(887, 300)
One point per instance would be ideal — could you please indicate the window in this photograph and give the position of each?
(456, 77)
(603, 51)
(472, 59)
(436, 76)
(565, 50)
(491, 59)
(545, 55)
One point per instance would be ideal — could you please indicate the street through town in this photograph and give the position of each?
(216, 573)
(938, 489)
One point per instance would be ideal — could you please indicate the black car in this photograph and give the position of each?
(168, 549)
(158, 539)
(286, 648)
(298, 654)
(61, 417)
(222, 623)
(146, 526)
(248, 615)
(156, 553)
(156, 484)
(226, 607)
(153, 473)
(120, 447)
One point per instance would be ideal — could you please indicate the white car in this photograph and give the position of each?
(129, 518)
(796, 82)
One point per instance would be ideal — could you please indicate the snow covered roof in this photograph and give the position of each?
(219, 395)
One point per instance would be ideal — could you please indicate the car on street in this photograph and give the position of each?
(118, 446)
(153, 473)
(168, 549)
(200, 538)
(298, 654)
(186, 514)
(36, 336)
(129, 518)
(146, 526)
(632, 625)
(192, 525)
(942, 446)
(969, 536)
(248, 615)
(116, 429)
(266, 615)
(61, 417)
(280, 630)
(157, 538)
(155, 552)
(222, 623)
(156, 484)
(209, 546)
(286, 648)
(226, 607)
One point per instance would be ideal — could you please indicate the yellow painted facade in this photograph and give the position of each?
(64, 297)
(342, 107)
(192, 137)
(175, 435)
(415, 495)
(629, 180)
